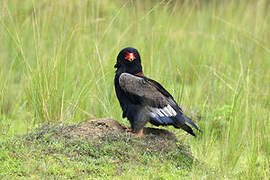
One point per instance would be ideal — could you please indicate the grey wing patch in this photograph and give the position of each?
(140, 87)
(167, 111)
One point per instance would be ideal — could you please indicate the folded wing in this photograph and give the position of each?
(158, 102)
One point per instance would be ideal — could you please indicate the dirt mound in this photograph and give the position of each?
(95, 128)
(98, 128)
(101, 138)
(107, 131)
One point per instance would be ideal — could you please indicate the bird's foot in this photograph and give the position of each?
(139, 134)
(127, 128)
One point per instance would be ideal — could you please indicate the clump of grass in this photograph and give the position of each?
(109, 156)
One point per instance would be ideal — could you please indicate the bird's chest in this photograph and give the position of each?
(122, 96)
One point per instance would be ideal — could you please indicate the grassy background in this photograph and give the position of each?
(57, 58)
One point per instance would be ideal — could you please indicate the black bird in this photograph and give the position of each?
(143, 99)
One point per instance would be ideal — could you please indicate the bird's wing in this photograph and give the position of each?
(143, 91)
(156, 100)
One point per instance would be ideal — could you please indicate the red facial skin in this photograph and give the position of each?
(130, 56)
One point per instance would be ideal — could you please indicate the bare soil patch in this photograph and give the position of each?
(99, 128)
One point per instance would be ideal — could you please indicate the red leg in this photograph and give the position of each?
(127, 128)
(139, 134)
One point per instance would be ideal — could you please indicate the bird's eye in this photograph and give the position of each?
(130, 56)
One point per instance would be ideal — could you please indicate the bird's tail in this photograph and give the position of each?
(183, 122)
(186, 128)
(188, 120)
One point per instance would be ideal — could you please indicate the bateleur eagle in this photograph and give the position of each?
(143, 99)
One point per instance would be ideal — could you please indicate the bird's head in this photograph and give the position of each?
(129, 60)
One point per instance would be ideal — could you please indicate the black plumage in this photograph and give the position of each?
(143, 99)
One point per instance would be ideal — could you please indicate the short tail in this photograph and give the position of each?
(182, 123)
(185, 128)
(188, 120)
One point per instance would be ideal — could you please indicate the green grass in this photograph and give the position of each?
(57, 60)
(49, 152)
